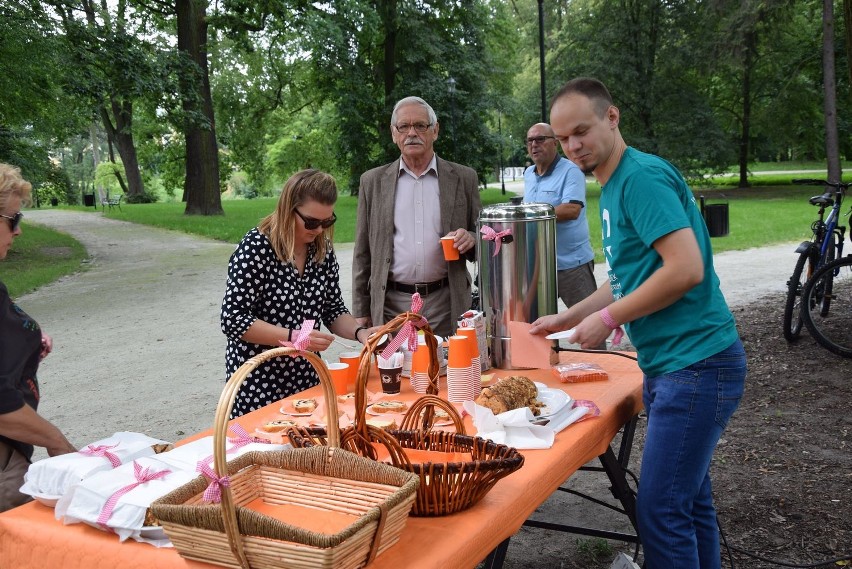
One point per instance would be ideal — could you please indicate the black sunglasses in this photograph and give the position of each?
(312, 223)
(13, 220)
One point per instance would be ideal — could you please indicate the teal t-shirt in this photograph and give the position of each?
(645, 199)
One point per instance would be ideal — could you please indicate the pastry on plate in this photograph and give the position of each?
(510, 393)
(277, 426)
(389, 407)
(382, 423)
(348, 398)
(305, 405)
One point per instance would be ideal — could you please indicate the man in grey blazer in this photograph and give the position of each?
(404, 208)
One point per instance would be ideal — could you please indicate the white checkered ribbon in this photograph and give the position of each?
(213, 493)
(142, 476)
(303, 337)
(497, 236)
(408, 332)
(102, 450)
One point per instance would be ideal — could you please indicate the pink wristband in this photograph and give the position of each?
(607, 319)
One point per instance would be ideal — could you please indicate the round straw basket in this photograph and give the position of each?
(322, 481)
(455, 470)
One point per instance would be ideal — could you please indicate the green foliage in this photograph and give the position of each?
(57, 186)
(594, 550)
(37, 257)
(106, 177)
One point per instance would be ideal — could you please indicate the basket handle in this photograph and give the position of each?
(220, 430)
(426, 405)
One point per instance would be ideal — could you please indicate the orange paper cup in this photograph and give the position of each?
(470, 333)
(354, 360)
(340, 377)
(450, 252)
(460, 356)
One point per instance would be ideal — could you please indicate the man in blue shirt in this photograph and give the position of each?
(559, 182)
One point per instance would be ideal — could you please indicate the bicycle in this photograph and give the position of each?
(832, 330)
(814, 254)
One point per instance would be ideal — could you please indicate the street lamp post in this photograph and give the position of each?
(500, 130)
(451, 89)
(541, 58)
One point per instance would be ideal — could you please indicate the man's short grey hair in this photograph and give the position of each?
(433, 118)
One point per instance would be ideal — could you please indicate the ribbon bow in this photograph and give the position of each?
(213, 493)
(408, 332)
(102, 450)
(303, 337)
(619, 334)
(142, 476)
(497, 236)
(242, 439)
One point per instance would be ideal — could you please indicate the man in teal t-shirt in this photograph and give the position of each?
(663, 288)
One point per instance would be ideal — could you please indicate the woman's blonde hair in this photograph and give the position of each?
(13, 184)
(280, 225)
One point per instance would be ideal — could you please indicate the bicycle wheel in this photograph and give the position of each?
(792, 313)
(832, 330)
(825, 297)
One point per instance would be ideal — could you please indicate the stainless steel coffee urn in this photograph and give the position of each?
(519, 281)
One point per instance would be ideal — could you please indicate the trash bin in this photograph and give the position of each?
(89, 200)
(716, 218)
(54, 202)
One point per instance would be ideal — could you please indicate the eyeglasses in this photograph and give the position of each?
(312, 223)
(419, 127)
(538, 139)
(13, 220)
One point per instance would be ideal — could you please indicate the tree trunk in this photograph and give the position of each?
(201, 184)
(847, 19)
(750, 45)
(122, 136)
(832, 146)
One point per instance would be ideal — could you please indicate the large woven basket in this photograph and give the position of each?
(326, 479)
(446, 486)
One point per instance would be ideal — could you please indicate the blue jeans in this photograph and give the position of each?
(687, 411)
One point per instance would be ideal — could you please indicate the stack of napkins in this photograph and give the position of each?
(515, 428)
(118, 500)
(47, 480)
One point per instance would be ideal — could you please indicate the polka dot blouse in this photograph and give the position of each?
(261, 287)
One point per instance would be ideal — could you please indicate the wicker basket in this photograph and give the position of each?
(326, 479)
(446, 485)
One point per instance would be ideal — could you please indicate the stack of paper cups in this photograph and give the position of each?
(477, 358)
(462, 382)
(420, 369)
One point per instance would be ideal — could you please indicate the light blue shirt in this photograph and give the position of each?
(563, 182)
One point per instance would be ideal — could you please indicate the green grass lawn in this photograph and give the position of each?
(37, 257)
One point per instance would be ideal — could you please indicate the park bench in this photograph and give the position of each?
(111, 202)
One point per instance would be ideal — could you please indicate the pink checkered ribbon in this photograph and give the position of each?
(102, 450)
(497, 236)
(242, 439)
(303, 337)
(408, 332)
(142, 476)
(619, 334)
(213, 493)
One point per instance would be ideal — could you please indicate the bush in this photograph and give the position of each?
(146, 197)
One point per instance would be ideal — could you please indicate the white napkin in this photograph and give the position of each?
(186, 457)
(85, 501)
(53, 476)
(514, 428)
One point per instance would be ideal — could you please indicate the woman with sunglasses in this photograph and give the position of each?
(22, 347)
(282, 273)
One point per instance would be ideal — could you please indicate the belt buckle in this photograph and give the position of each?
(421, 288)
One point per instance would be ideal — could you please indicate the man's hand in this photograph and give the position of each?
(463, 240)
(46, 345)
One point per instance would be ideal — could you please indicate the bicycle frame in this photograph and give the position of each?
(824, 230)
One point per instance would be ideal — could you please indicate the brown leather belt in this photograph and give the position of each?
(423, 288)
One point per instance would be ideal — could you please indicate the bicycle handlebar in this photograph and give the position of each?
(814, 182)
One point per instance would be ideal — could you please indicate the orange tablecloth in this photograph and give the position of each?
(31, 538)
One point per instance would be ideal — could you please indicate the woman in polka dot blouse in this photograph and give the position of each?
(282, 273)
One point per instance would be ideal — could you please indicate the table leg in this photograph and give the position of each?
(497, 556)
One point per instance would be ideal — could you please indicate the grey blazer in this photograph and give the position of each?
(371, 260)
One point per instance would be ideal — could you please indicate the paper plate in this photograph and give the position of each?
(554, 400)
(565, 334)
